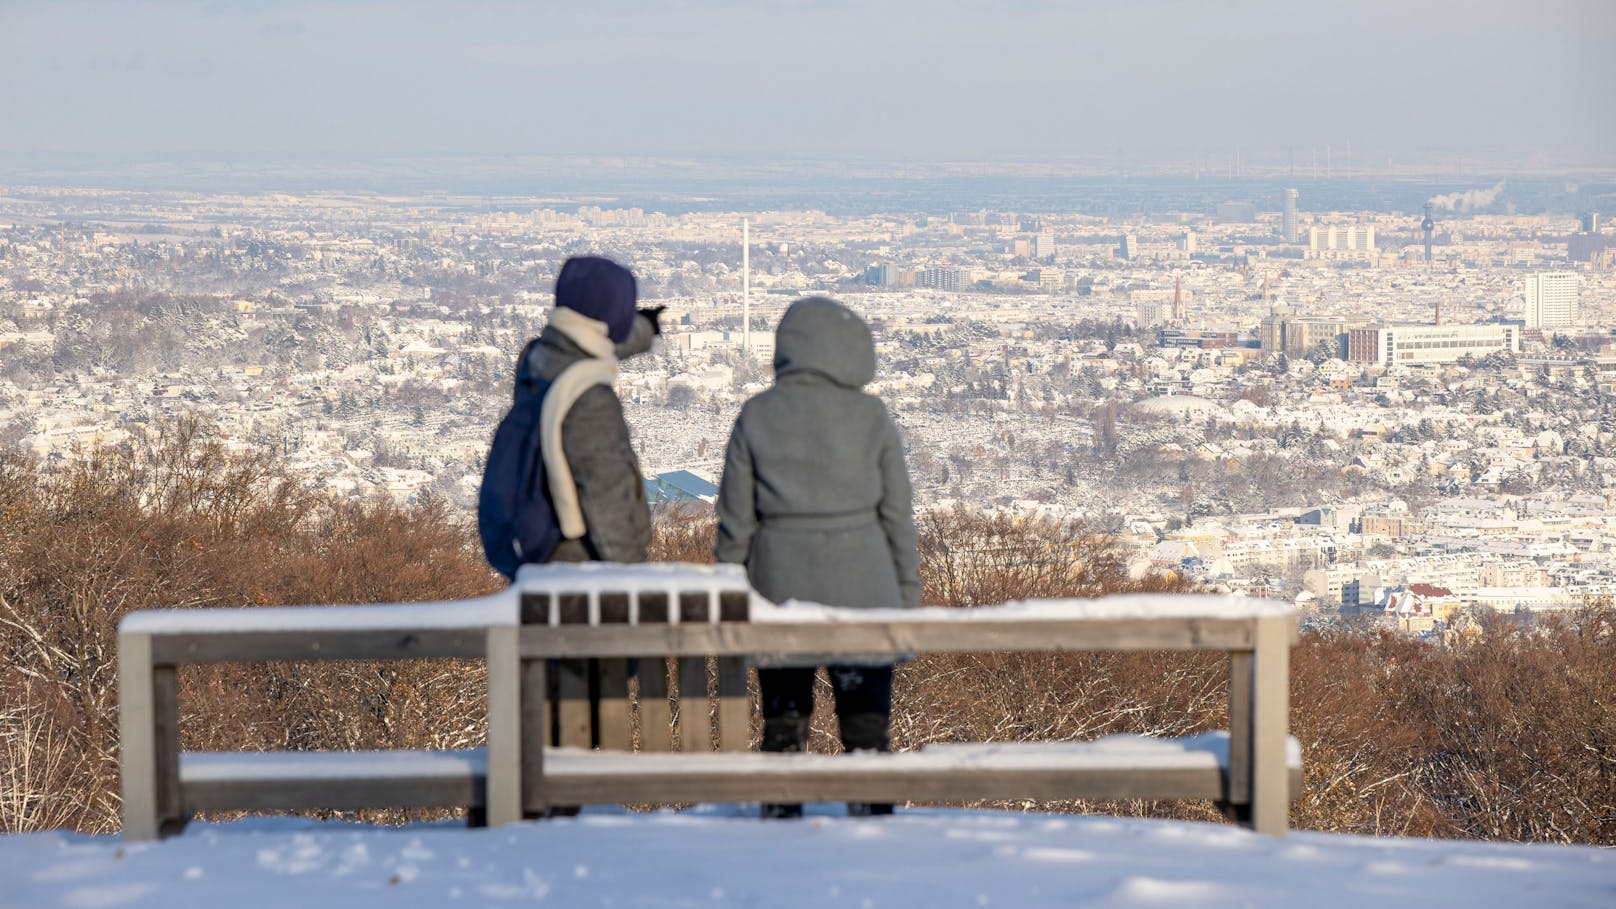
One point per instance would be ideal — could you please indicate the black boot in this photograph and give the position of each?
(866, 732)
(787, 733)
(869, 809)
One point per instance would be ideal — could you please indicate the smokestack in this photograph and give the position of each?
(746, 289)
(1439, 312)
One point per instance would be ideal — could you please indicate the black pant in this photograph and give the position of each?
(863, 706)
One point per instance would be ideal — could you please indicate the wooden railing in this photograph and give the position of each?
(556, 626)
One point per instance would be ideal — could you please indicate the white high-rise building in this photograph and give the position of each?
(1287, 224)
(1551, 300)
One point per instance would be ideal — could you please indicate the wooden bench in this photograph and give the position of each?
(559, 645)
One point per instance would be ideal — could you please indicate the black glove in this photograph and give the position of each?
(654, 313)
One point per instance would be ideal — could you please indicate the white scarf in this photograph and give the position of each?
(600, 369)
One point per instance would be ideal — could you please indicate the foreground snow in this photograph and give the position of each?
(716, 857)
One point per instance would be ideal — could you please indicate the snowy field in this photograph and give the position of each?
(717, 857)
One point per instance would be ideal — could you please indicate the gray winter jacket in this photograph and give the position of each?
(815, 498)
(595, 441)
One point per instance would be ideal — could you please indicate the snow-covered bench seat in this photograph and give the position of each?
(562, 645)
(1115, 767)
(1118, 766)
(336, 780)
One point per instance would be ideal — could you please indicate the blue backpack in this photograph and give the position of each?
(515, 519)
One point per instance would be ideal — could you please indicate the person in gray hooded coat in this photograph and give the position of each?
(816, 502)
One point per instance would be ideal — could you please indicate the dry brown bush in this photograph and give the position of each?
(1507, 735)
(179, 523)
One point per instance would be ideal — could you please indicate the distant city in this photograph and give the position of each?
(1368, 392)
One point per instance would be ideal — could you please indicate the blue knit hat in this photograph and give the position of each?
(600, 289)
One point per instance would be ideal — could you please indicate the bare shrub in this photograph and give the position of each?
(969, 558)
(682, 534)
(178, 522)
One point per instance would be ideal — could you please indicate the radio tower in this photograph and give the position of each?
(746, 289)
(1427, 225)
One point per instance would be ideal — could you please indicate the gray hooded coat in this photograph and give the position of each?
(815, 498)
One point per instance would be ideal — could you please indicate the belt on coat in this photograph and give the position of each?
(846, 520)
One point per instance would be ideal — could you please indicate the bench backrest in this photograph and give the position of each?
(655, 702)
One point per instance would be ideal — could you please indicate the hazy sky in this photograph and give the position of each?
(932, 79)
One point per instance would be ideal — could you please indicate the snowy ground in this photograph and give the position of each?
(715, 857)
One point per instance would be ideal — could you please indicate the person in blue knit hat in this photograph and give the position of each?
(594, 476)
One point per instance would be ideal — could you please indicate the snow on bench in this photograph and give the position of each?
(338, 780)
(1118, 766)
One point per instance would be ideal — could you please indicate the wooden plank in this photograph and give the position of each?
(734, 705)
(614, 609)
(695, 608)
(535, 736)
(656, 715)
(241, 782)
(572, 704)
(572, 608)
(734, 606)
(552, 687)
(137, 747)
(171, 813)
(579, 778)
(695, 726)
(1239, 769)
(654, 609)
(577, 785)
(266, 646)
(779, 638)
(534, 609)
(336, 795)
(506, 731)
(1270, 693)
(613, 715)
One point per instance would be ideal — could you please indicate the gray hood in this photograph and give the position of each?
(821, 335)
